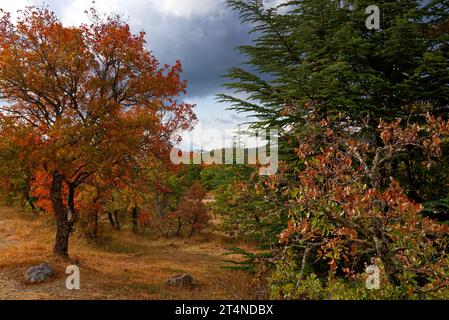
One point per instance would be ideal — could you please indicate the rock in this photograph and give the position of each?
(183, 281)
(39, 273)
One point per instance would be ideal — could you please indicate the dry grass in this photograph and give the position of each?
(119, 266)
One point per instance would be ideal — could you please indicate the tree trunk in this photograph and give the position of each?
(117, 221)
(65, 216)
(178, 232)
(95, 233)
(385, 254)
(135, 217)
(192, 231)
(61, 247)
(63, 228)
(111, 221)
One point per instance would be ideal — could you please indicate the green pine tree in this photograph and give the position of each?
(319, 53)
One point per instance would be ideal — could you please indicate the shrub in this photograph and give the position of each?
(344, 213)
(189, 218)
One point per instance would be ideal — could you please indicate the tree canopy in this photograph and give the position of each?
(319, 55)
(95, 101)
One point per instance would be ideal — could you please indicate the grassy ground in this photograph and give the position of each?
(119, 266)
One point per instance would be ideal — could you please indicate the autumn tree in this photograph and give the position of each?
(191, 213)
(95, 100)
(188, 218)
(359, 176)
(340, 212)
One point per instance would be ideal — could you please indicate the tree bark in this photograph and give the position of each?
(192, 230)
(114, 221)
(62, 227)
(135, 217)
(117, 221)
(385, 254)
(71, 211)
(111, 221)
(178, 232)
(65, 216)
(95, 231)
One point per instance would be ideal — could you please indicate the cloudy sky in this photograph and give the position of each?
(203, 34)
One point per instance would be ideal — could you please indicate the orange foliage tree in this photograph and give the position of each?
(190, 217)
(94, 98)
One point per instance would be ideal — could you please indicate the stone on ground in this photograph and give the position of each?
(39, 273)
(184, 281)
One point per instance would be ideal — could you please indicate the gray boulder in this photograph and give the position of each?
(183, 281)
(39, 273)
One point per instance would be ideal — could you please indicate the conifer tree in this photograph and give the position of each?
(319, 54)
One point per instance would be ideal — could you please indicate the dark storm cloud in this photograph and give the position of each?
(206, 46)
